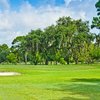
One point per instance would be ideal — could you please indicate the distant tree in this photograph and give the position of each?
(96, 24)
(95, 54)
(96, 20)
(34, 46)
(97, 5)
(48, 43)
(81, 42)
(20, 48)
(67, 28)
(4, 51)
(68, 41)
(11, 57)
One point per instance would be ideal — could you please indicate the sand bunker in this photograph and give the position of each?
(9, 73)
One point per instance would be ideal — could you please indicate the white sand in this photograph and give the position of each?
(9, 73)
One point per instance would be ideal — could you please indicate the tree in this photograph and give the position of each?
(11, 57)
(67, 28)
(20, 48)
(4, 51)
(48, 43)
(96, 24)
(96, 20)
(68, 41)
(34, 42)
(97, 5)
(81, 42)
(95, 53)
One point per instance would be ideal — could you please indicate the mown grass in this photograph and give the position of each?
(61, 82)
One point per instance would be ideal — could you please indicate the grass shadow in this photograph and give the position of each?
(92, 80)
(81, 89)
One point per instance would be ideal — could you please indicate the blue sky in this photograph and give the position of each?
(17, 17)
(37, 3)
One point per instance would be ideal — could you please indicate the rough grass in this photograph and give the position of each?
(61, 82)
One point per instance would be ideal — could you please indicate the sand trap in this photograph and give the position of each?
(9, 73)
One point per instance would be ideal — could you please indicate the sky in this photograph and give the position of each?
(18, 17)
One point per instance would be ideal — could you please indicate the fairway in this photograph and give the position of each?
(52, 82)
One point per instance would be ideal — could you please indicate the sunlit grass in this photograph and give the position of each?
(61, 82)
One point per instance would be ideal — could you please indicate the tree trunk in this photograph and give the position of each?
(36, 47)
(25, 57)
(51, 62)
(68, 61)
(56, 62)
(35, 63)
(46, 62)
(76, 61)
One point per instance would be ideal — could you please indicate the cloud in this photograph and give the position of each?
(67, 2)
(4, 4)
(82, 15)
(19, 22)
(27, 18)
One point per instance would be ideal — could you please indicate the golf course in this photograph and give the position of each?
(50, 82)
(49, 49)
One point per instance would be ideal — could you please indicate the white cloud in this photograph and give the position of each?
(4, 4)
(15, 23)
(82, 14)
(67, 2)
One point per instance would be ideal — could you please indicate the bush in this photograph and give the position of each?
(62, 61)
(12, 58)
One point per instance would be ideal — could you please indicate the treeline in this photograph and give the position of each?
(68, 41)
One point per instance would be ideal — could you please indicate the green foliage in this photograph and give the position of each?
(12, 58)
(4, 51)
(97, 5)
(58, 56)
(68, 41)
(96, 20)
(96, 24)
(62, 61)
(36, 58)
(96, 53)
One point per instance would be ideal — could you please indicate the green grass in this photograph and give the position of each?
(62, 82)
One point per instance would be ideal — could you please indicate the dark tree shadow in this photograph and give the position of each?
(85, 87)
(93, 80)
(70, 98)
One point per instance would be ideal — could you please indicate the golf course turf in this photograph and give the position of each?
(52, 82)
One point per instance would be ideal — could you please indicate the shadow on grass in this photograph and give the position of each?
(86, 89)
(92, 80)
